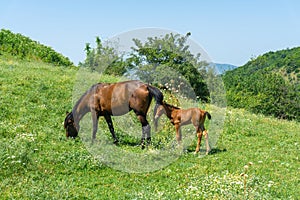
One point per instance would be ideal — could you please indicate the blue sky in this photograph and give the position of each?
(229, 31)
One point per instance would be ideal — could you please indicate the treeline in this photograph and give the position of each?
(268, 84)
(164, 61)
(23, 47)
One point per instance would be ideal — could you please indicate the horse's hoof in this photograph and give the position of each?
(148, 140)
(116, 142)
(93, 141)
(142, 144)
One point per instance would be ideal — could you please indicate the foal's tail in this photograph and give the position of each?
(158, 96)
(208, 115)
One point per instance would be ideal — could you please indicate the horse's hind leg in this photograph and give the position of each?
(111, 128)
(146, 129)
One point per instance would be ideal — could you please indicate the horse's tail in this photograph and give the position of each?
(158, 96)
(208, 115)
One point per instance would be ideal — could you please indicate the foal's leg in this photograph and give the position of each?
(145, 130)
(205, 133)
(199, 134)
(158, 114)
(178, 133)
(111, 128)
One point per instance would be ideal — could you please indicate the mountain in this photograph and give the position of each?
(268, 84)
(221, 68)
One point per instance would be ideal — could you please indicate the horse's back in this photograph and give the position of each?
(119, 98)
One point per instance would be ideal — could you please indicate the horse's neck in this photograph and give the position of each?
(80, 109)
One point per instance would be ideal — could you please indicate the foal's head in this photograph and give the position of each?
(69, 125)
(166, 109)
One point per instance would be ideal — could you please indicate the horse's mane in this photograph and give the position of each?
(82, 96)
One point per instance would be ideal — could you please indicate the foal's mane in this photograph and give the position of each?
(171, 106)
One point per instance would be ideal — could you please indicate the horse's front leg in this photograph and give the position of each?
(146, 130)
(95, 124)
(111, 128)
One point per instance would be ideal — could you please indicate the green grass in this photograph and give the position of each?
(38, 162)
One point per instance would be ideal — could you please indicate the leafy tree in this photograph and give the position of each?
(103, 59)
(162, 60)
(216, 87)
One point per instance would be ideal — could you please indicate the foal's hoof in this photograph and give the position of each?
(207, 151)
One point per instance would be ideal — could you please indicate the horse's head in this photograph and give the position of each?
(70, 126)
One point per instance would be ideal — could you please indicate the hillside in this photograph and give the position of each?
(255, 157)
(38, 162)
(269, 84)
(23, 47)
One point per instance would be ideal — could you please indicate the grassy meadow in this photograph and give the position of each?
(255, 157)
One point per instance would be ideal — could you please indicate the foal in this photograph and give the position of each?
(180, 117)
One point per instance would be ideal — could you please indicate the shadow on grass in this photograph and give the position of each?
(212, 151)
(132, 143)
(216, 151)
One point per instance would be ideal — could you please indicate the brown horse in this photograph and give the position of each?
(180, 117)
(114, 99)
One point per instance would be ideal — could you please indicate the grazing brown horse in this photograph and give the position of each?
(114, 99)
(180, 117)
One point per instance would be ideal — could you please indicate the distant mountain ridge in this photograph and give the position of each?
(221, 68)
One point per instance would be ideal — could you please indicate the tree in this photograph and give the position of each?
(168, 60)
(103, 59)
